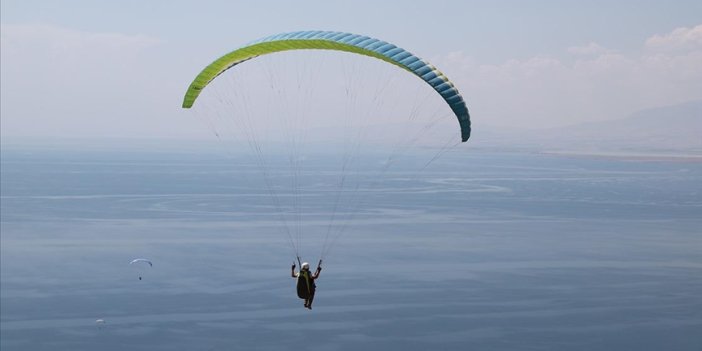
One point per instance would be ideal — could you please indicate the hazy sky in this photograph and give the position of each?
(120, 68)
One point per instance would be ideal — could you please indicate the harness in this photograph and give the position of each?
(306, 275)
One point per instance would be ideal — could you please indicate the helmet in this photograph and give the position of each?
(305, 266)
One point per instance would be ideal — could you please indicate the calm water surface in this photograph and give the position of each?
(483, 251)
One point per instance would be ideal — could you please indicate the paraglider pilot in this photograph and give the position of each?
(305, 282)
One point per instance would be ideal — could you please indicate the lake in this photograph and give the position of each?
(481, 250)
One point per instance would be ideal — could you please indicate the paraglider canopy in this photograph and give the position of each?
(345, 117)
(339, 41)
(142, 260)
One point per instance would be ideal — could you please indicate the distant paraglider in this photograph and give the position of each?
(141, 262)
(100, 323)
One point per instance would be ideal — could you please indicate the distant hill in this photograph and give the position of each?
(668, 129)
(677, 127)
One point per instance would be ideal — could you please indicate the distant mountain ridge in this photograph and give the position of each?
(666, 129)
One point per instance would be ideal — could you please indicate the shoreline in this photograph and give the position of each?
(630, 156)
